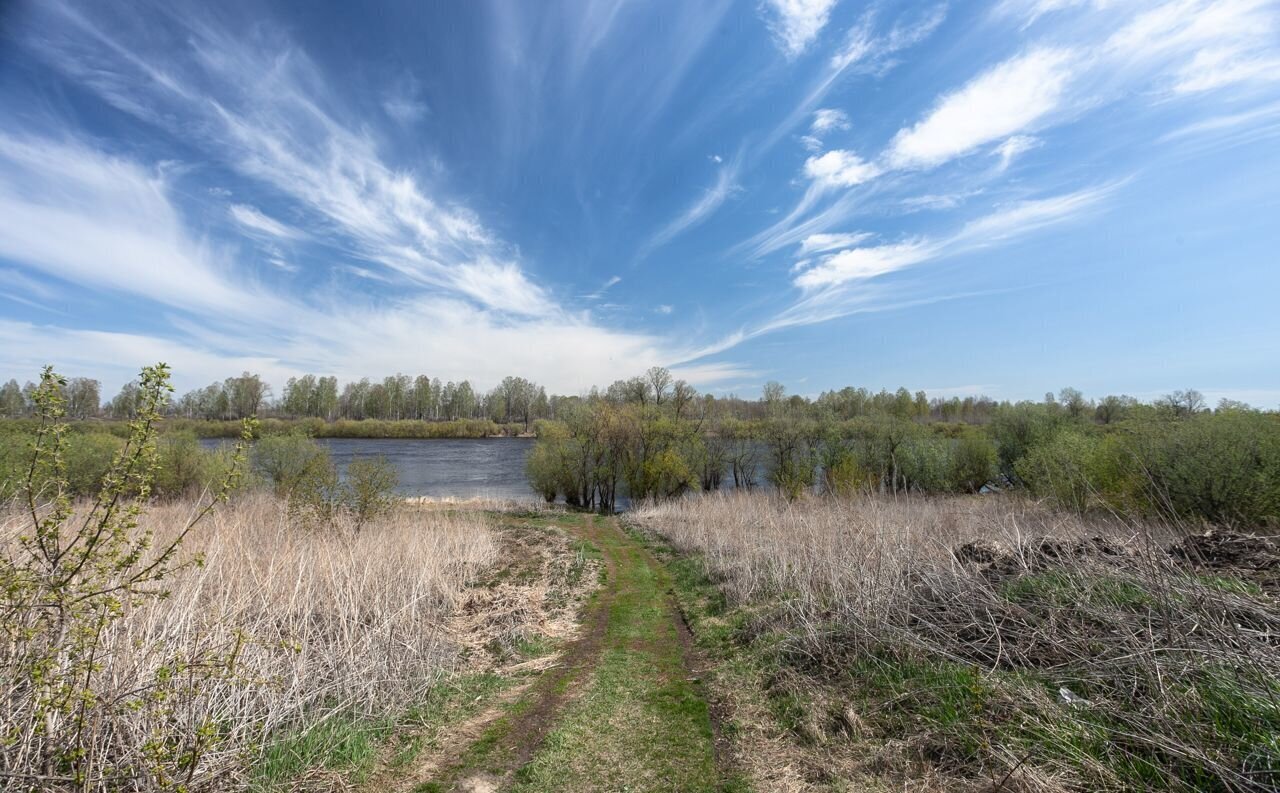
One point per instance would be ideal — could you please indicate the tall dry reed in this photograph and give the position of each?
(1085, 652)
(315, 622)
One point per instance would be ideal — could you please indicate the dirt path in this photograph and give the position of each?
(619, 710)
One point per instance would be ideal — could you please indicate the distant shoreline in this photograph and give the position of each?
(365, 429)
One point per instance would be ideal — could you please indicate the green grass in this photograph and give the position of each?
(1231, 584)
(341, 742)
(1060, 589)
(640, 724)
(354, 745)
(633, 720)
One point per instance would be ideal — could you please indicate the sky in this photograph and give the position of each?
(1001, 198)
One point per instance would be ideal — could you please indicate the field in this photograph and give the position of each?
(303, 636)
(305, 631)
(979, 643)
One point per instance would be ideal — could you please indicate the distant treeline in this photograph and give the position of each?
(656, 437)
(315, 428)
(398, 398)
(401, 398)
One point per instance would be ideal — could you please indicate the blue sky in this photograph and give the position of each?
(1001, 197)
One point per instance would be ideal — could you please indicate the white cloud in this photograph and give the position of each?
(605, 287)
(1006, 99)
(704, 207)
(1222, 66)
(403, 104)
(253, 219)
(95, 220)
(1007, 222)
(796, 23)
(461, 305)
(827, 119)
(1230, 122)
(818, 243)
(1024, 217)
(935, 201)
(861, 263)
(664, 309)
(116, 357)
(406, 111)
(1014, 146)
(1032, 10)
(263, 107)
(502, 286)
(839, 168)
(1203, 44)
(864, 52)
(811, 143)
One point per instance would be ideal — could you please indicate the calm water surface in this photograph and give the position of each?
(458, 468)
(461, 468)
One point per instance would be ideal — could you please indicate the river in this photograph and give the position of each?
(455, 468)
(444, 468)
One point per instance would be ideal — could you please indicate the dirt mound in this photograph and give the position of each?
(980, 552)
(997, 562)
(1218, 549)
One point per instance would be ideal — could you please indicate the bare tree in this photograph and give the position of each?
(658, 379)
(681, 395)
(1184, 403)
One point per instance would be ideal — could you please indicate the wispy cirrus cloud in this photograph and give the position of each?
(254, 220)
(796, 23)
(262, 106)
(605, 287)
(85, 218)
(1201, 45)
(818, 243)
(867, 49)
(1005, 223)
(699, 211)
(856, 264)
(255, 103)
(1177, 48)
(107, 222)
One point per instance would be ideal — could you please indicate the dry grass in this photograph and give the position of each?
(332, 622)
(948, 629)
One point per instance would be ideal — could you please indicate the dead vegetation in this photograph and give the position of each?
(988, 643)
(326, 627)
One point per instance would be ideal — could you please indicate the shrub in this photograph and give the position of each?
(182, 465)
(790, 444)
(973, 462)
(1222, 468)
(88, 458)
(843, 475)
(669, 475)
(64, 583)
(1016, 429)
(1059, 469)
(315, 494)
(287, 460)
(370, 488)
(924, 464)
(547, 466)
(15, 459)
